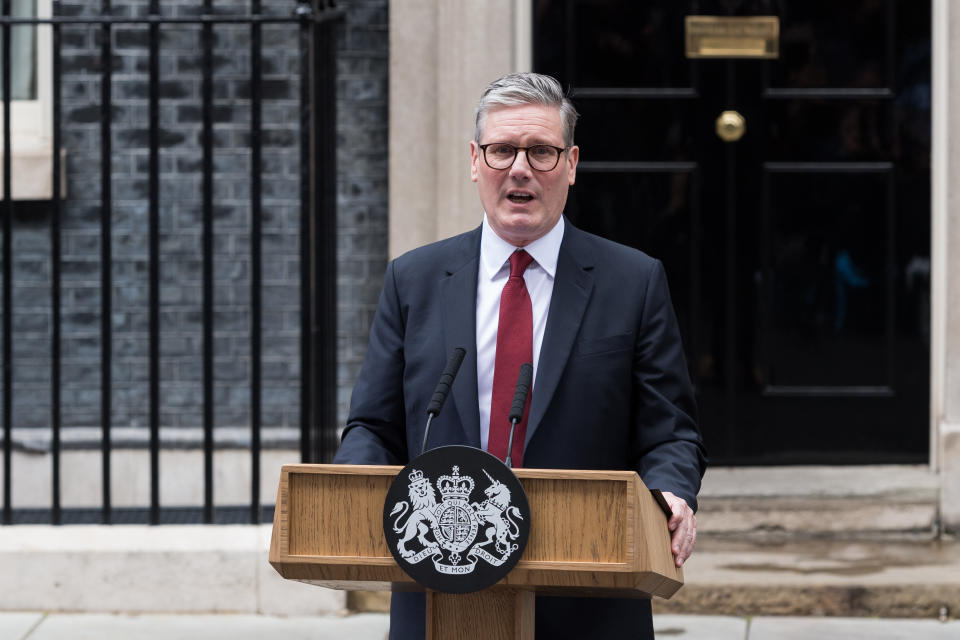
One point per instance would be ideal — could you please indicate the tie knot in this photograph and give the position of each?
(519, 261)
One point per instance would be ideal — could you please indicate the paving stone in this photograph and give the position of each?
(374, 626)
(15, 626)
(668, 627)
(788, 628)
(367, 626)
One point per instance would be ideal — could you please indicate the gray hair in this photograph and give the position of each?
(516, 89)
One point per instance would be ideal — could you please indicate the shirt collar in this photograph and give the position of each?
(495, 251)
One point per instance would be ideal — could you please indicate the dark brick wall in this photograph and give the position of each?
(362, 217)
(362, 149)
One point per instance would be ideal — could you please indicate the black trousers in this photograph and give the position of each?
(556, 618)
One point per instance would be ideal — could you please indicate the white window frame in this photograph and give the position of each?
(33, 118)
(31, 123)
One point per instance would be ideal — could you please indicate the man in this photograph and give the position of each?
(610, 390)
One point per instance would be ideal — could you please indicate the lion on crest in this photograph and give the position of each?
(424, 500)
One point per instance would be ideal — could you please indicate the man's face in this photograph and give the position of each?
(523, 204)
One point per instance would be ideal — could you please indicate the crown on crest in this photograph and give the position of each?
(455, 486)
(416, 478)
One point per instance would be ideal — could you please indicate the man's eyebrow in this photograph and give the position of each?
(531, 143)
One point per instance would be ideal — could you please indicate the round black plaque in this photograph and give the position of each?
(456, 519)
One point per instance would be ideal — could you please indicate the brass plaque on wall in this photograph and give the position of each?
(733, 37)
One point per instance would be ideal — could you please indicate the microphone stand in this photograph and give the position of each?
(520, 393)
(509, 460)
(426, 432)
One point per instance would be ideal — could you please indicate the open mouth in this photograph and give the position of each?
(519, 198)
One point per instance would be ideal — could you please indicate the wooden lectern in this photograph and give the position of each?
(593, 533)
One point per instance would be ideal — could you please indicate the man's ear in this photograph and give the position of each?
(474, 160)
(573, 156)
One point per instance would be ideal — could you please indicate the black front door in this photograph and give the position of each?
(798, 255)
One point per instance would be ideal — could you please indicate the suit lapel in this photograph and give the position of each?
(458, 299)
(571, 292)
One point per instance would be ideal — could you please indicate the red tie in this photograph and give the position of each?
(514, 347)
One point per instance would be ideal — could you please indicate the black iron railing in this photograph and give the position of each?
(317, 21)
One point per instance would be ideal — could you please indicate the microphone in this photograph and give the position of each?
(443, 388)
(519, 402)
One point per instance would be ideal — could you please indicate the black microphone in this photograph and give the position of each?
(519, 402)
(443, 388)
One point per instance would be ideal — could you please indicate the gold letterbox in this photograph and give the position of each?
(733, 37)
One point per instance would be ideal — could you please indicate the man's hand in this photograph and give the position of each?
(683, 524)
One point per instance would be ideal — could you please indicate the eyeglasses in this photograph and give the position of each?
(500, 155)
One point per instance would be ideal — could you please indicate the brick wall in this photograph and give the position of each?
(362, 195)
(362, 218)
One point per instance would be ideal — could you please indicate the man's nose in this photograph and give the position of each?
(520, 167)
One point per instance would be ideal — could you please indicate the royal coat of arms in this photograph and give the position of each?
(455, 533)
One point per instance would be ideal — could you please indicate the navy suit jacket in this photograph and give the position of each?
(612, 389)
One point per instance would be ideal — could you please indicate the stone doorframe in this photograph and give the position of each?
(945, 261)
(443, 53)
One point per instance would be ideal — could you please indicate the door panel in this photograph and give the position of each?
(827, 290)
(658, 130)
(631, 44)
(829, 130)
(798, 256)
(837, 44)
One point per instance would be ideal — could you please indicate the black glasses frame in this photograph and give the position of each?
(516, 150)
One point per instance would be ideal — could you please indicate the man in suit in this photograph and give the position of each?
(610, 390)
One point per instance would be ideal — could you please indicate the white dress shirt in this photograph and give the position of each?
(493, 273)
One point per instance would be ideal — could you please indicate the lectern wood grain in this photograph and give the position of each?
(593, 513)
(501, 614)
(323, 523)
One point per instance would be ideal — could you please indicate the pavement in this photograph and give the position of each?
(373, 626)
